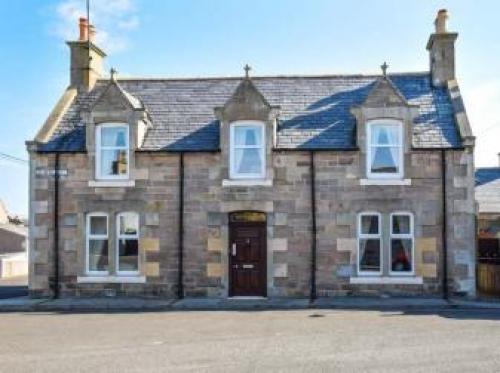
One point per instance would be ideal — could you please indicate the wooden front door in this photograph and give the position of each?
(247, 259)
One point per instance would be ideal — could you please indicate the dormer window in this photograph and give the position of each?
(112, 151)
(384, 149)
(247, 150)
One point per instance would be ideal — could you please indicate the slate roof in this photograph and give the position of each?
(488, 189)
(314, 111)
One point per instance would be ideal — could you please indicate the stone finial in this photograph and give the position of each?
(247, 69)
(113, 72)
(384, 68)
(440, 22)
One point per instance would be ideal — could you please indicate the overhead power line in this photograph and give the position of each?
(11, 158)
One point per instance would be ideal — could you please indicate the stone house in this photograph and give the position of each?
(282, 186)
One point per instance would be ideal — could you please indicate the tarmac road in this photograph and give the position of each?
(251, 341)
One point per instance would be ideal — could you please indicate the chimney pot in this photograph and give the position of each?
(440, 22)
(83, 23)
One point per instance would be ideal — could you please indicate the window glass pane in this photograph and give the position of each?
(98, 255)
(385, 135)
(369, 224)
(114, 136)
(113, 162)
(369, 255)
(247, 135)
(99, 225)
(248, 161)
(401, 255)
(128, 255)
(128, 224)
(384, 160)
(401, 224)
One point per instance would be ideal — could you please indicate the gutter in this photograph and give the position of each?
(180, 263)
(444, 230)
(312, 295)
(56, 227)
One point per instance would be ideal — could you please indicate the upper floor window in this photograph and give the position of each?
(385, 149)
(247, 150)
(112, 151)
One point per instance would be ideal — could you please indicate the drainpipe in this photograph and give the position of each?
(180, 269)
(56, 227)
(444, 225)
(312, 295)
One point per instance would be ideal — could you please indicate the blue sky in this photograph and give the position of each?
(216, 38)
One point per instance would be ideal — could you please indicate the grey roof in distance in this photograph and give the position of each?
(488, 189)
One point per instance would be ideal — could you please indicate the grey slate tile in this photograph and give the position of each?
(315, 111)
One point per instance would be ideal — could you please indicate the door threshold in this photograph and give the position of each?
(248, 297)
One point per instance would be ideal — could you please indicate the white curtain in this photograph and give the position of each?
(113, 136)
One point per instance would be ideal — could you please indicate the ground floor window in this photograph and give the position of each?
(126, 248)
(97, 243)
(128, 243)
(369, 244)
(401, 243)
(377, 244)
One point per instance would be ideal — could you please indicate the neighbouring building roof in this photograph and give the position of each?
(12, 238)
(488, 189)
(4, 215)
(315, 111)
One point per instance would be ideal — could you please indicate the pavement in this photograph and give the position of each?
(26, 304)
(304, 340)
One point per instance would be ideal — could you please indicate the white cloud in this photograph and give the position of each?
(112, 18)
(482, 104)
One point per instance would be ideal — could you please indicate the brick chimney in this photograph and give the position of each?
(441, 47)
(86, 58)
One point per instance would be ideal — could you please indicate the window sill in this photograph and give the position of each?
(111, 279)
(384, 181)
(367, 280)
(247, 182)
(111, 183)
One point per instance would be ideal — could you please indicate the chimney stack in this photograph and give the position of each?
(441, 47)
(84, 29)
(86, 58)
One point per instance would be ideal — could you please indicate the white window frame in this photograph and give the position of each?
(126, 236)
(378, 236)
(232, 147)
(89, 236)
(99, 148)
(410, 235)
(370, 146)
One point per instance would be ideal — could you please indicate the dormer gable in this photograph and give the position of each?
(247, 113)
(385, 94)
(115, 98)
(247, 102)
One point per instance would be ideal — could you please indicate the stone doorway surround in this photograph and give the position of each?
(218, 245)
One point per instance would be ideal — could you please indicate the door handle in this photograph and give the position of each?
(235, 266)
(247, 266)
(233, 249)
